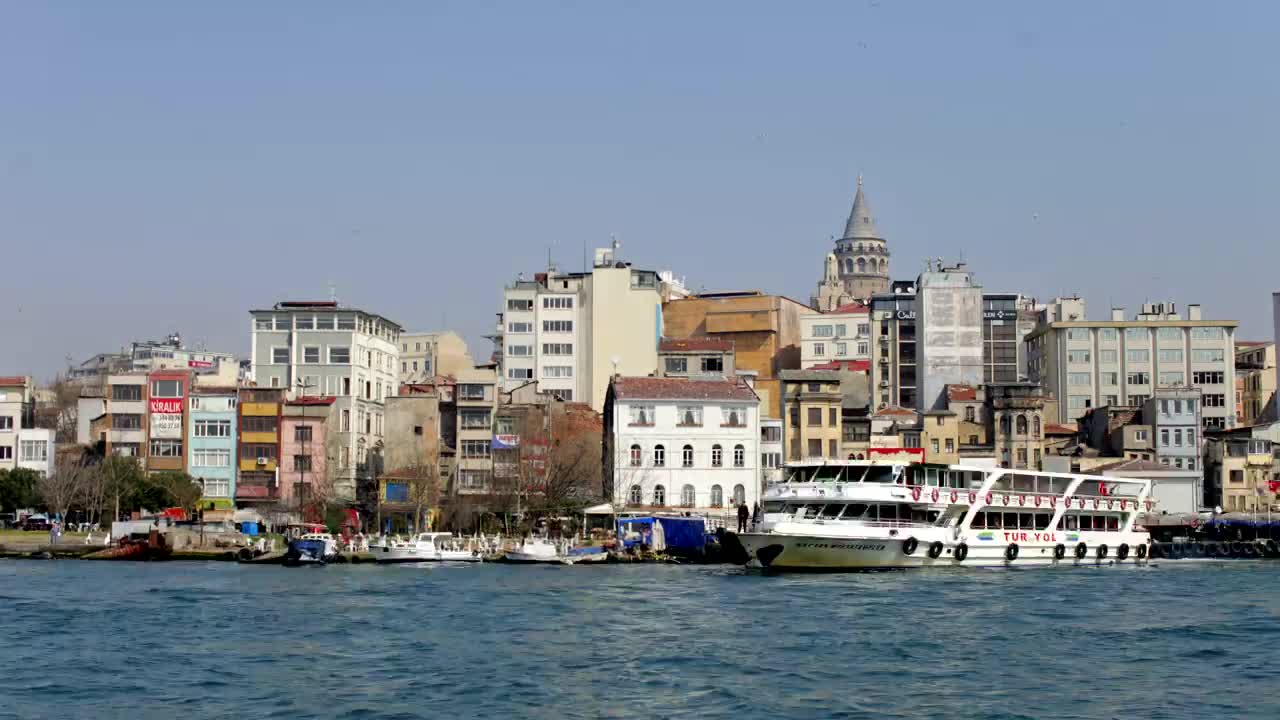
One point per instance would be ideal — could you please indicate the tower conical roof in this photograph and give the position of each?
(861, 225)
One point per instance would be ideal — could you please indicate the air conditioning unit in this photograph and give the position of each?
(884, 383)
(262, 461)
(884, 360)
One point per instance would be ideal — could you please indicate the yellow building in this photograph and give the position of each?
(1256, 375)
(811, 417)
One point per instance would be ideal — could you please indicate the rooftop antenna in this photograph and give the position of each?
(333, 292)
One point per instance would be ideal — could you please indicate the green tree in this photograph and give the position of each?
(18, 489)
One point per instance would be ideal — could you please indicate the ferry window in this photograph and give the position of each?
(1042, 521)
(1010, 521)
(930, 476)
(888, 512)
(932, 516)
(811, 511)
(993, 520)
(980, 521)
(1086, 522)
(790, 508)
(1069, 522)
(832, 511)
(1026, 521)
(1113, 522)
(854, 511)
(773, 506)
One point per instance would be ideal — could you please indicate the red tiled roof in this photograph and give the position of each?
(252, 491)
(1253, 343)
(313, 400)
(651, 388)
(895, 410)
(14, 380)
(851, 308)
(962, 393)
(695, 344)
(1057, 429)
(849, 365)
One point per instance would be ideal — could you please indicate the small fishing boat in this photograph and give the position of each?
(534, 550)
(578, 555)
(427, 547)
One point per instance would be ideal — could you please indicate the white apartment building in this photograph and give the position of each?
(424, 354)
(681, 443)
(16, 408)
(573, 331)
(323, 349)
(771, 452)
(35, 450)
(1088, 364)
(842, 334)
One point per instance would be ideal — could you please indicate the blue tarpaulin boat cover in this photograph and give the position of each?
(680, 533)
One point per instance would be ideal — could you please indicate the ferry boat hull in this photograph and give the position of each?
(775, 551)
(393, 555)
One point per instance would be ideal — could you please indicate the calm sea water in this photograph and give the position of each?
(81, 639)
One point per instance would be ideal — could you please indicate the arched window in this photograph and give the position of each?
(1022, 424)
(634, 496)
(659, 456)
(659, 495)
(717, 456)
(735, 420)
(636, 456)
(1035, 426)
(848, 265)
(739, 456)
(862, 265)
(686, 456)
(851, 456)
(717, 496)
(884, 266)
(687, 498)
(1006, 427)
(739, 494)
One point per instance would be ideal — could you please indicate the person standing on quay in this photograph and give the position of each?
(743, 514)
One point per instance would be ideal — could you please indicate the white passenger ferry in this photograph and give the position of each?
(862, 516)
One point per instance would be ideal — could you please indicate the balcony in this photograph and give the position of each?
(253, 465)
(260, 409)
(257, 492)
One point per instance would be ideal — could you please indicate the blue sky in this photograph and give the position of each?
(167, 166)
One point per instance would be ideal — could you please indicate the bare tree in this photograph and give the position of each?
(60, 410)
(63, 488)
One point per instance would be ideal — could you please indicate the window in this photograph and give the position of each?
(471, 392)
(1170, 355)
(1203, 355)
(717, 456)
(301, 463)
(1035, 430)
(687, 496)
(1177, 437)
(557, 348)
(1169, 333)
(771, 433)
(970, 414)
(1110, 399)
(842, 349)
(771, 460)
(559, 326)
(1215, 401)
(211, 428)
(6, 452)
(815, 448)
(863, 348)
(686, 456)
(1164, 438)
(1206, 333)
(819, 349)
(1078, 356)
(520, 304)
(822, 331)
(1139, 378)
(717, 496)
(833, 449)
(557, 302)
(346, 322)
(1140, 435)
(253, 423)
(735, 418)
(311, 355)
(813, 387)
(557, 371)
(128, 393)
(1022, 456)
(637, 456)
(475, 448)
(1138, 355)
(712, 364)
(689, 415)
(166, 448)
(1107, 356)
(1110, 378)
(676, 365)
(739, 494)
(814, 417)
(36, 451)
(642, 414)
(739, 456)
(659, 456)
(280, 355)
(1135, 335)
(1078, 378)
(1137, 399)
(166, 388)
(951, 445)
(864, 329)
(211, 457)
(1078, 402)
(339, 356)
(118, 422)
(659, 496)
(474, 419)
(1172, 378)
(1191, 437)
(1022, 424)
(634, 495)
(934, 446)
(520, 350)
(519, 327)
(520, 373)
(1207, 377)
(1107, 334)
(1077, 333)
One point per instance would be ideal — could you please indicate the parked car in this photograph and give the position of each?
(36, 524)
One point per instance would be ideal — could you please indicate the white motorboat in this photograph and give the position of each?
(535, 550)
(834, 515)
(427, 547)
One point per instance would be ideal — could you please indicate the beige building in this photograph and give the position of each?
(1017, 413)
(476, 396)
(1237, 471)
(1087, 364)
(812, 417)
(842, 334)
(1256, 371)
(764, 330)
(425, 354)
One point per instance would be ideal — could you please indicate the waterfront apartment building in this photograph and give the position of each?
(114, 416)
(305, 432)
(324, 349)
(212, 432)
(258, 440)
(476, 397)
(842, 334)
(812, 417)
(424, 354)
(167, 420)
(1256, 373)
(573, 331)
(681, 443)
(21, 444)
(1173, 413)
(1087, 364)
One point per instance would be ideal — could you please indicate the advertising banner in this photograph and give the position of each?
(166, 425)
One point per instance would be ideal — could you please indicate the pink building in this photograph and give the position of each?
(304, 426)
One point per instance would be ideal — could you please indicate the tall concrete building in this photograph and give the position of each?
(1090, 363)
(950, 343)
(324, 349)
(858, 267)
(573, 331)
(425, 354)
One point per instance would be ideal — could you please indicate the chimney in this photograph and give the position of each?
(1193, 312)
(1117, 314)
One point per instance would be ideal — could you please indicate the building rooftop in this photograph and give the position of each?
(850, 309)
(811, 375)
(845, 365)
(1137, 466)
(313, 400)
(895, 411)
(1060, 429)
(696, 344)
(14, 381)
(962, 393)
(652, 388)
